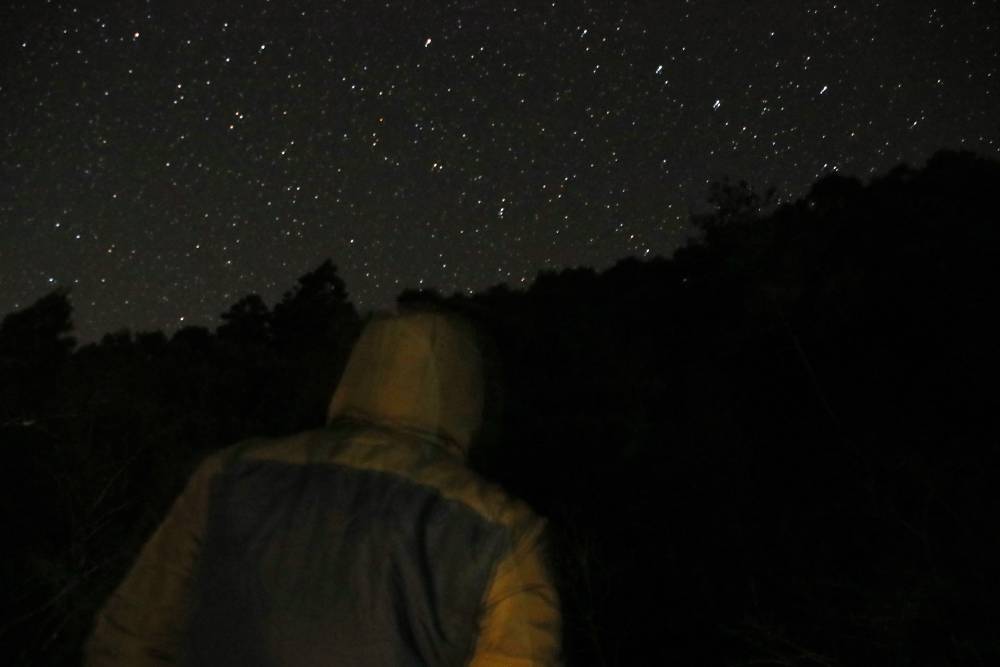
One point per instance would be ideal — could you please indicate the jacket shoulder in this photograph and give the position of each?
(417, 460)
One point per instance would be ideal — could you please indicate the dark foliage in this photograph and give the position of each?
(776, 448)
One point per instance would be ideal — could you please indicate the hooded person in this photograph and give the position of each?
(368, 542)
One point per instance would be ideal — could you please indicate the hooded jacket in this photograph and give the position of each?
(368, 542)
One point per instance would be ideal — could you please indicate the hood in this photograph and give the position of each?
(419, 372)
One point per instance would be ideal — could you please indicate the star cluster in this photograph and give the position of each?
(163, 160)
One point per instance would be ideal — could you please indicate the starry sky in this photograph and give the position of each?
(164, 159)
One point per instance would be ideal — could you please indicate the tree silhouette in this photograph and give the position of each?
(39, 333)
(34, 347)
(247, 322)
(734, 204)
(316, 312)
(313, 328)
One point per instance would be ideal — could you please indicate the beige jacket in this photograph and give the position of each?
(369, 542)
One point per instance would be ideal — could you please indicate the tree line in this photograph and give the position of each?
(778, 446)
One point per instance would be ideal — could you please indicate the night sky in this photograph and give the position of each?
(164, 159)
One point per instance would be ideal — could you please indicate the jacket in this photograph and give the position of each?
(366, 543)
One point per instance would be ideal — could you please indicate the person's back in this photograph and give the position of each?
(369, 542)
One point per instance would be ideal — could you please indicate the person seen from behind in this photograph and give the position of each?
(369, 542)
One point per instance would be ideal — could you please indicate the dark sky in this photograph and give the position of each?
(163, 159)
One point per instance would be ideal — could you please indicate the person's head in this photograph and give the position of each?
(426, 369)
